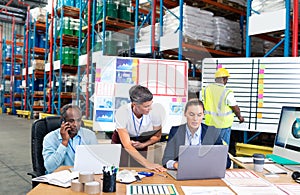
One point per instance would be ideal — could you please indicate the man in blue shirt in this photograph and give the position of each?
(59, 145)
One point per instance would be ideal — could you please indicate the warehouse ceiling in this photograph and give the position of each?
(16, 8)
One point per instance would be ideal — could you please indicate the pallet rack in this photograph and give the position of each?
(192, 50)
(285, 40)
(57, 68)
(35, 100)
(97, 25)
(185, 50)
(15, 60)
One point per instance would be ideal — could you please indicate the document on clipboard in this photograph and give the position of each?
(144, 136)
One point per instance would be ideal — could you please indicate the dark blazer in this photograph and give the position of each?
(209, 136)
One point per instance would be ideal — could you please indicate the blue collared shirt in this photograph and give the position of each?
(189, 140)
(55, 154)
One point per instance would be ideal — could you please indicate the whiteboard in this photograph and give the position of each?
(166, 79)
(261, 87)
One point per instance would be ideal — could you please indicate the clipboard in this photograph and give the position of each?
(144, 136)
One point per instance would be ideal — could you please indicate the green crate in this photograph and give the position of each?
(68, 61)
(67, 32)
(124, 12)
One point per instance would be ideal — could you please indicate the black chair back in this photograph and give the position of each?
(40, 128)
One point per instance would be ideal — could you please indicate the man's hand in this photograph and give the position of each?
(241, 119)
(137, 144)
(64, 128)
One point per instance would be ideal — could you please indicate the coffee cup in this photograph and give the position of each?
(258, 161)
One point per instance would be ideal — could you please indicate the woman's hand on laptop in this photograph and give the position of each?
(155, 167)
(175, 165)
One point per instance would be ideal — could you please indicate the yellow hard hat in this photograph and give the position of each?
(222, 72)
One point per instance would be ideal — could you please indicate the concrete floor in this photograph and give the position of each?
(15, 154)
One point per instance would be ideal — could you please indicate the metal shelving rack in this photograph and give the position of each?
(35, 52)
(46, 73)
(86, 71)
(56, 67)
(83, 99)
(285, 40)
(213, 5)
(3, 47)
(13, 60)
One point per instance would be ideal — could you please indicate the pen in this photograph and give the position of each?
(162, 175)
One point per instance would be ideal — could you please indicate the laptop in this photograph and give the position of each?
(92, 158)
(201, 162)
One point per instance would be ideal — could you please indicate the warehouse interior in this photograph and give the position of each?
(56, 52)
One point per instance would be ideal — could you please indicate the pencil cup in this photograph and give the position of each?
(258, 161)
(109, 182)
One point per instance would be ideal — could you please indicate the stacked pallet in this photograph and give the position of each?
(227, 34)
(197, 24)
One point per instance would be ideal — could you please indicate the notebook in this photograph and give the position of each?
(201, 162)
(92, 158)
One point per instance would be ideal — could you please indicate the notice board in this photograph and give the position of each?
(166, 79)
(261, 87)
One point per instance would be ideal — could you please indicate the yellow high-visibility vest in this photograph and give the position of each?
(217, 112)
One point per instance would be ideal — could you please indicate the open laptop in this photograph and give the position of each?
(92, 158)
(201, 162)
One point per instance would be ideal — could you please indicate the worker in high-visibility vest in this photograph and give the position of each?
(220, 105)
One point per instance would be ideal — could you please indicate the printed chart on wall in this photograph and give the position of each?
(261, 87)
(166, 79)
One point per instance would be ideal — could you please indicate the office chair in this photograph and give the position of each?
(40, 128)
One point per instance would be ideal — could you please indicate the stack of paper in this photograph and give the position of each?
(61, 178)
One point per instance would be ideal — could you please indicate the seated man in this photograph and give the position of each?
(59, 145)
(194, 132)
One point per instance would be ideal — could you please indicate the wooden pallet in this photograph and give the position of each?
(119, 20)
(231, 4)
(200, 43)
(68, 40)
(67, 93)
(225, 48)
(38, 93)
(69, 11)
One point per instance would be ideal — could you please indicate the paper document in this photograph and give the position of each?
(61, 178)
(194, 190)
(293, 189)
(272, 168)
(271, 190)
(244, 178)
(250, 160)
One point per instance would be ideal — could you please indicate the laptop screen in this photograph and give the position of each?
(92, 158)
(287, 141)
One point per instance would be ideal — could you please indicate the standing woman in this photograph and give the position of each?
(134, 119)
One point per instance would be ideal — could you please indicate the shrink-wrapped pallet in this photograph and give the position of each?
(227, 33)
